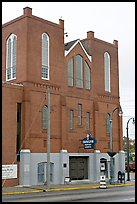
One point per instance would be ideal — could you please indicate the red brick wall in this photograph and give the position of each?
(105, 102)
(11, 95)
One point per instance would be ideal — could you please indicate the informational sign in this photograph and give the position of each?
(9, 171)
(89, 142)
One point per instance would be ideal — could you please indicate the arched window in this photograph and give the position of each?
(107, 71)
(70, 72)
(79, 71)
(45, 117)
(87, 76)
(45, 56)
(11, 57)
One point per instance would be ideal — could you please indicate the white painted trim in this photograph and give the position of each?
(78, 41)
(25, 150)
(11, 83)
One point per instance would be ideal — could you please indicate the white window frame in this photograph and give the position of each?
(45, 64)
(87, 76)
(79, 79)
(70, 72)
(11, 62)
(107, 71)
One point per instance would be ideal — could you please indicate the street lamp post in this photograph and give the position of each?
(111, 153)
(48, 142)
(128, 170)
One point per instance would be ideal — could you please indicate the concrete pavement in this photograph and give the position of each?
(43, 188)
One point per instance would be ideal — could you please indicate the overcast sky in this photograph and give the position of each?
(109, 21)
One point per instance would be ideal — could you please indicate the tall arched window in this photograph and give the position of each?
(45, 56)
(11, 57)
(70, 72)
(45, 117)
(107, 71)
(79, 71)
(87, 76)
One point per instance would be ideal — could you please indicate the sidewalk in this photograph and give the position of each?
(61, 187)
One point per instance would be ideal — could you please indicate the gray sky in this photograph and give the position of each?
(109, 21)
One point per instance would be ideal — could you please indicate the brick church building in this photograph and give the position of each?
(83, 79)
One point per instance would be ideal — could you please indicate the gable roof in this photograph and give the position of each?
(70, 45)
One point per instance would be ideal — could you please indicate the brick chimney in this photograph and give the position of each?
(90, 35)
(61, 23)
(27, 11)
(115, 42)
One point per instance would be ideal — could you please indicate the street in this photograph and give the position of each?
(115, 194)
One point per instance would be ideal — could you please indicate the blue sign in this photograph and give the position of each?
(88, 142)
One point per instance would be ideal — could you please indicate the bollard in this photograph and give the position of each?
(103, 182)
(119, 176)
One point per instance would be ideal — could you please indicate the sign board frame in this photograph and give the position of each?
(9, 171)
(89, 142)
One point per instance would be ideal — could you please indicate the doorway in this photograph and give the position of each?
(78, 168)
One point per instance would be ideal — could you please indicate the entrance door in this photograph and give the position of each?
(78, 168)
(41, 172)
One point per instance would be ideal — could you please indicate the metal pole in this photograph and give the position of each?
(48, 142)
(128, 170)
(111, 141)
(111, 144)
(111, 150)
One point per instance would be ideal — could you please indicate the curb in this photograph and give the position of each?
(21, 192)
(64, 189)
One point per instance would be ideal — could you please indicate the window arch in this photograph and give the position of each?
(79, 71)
(45, 56)
(45, 117)
(11, 44)
(87, 76)
(107, 71)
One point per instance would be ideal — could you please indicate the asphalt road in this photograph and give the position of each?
(115, 194)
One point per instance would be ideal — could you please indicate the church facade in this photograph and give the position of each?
(81, 80)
